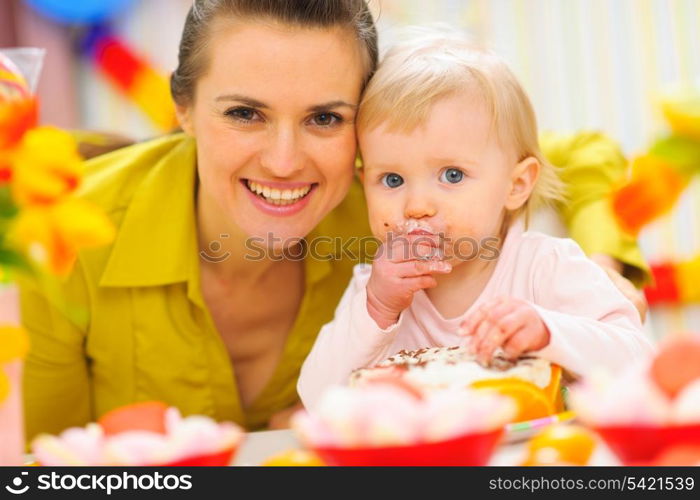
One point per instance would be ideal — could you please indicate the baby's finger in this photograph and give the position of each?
(513, 321)
(415, 268)
(517, 344)
(493, 340)
(481, 332)
(500, 308)
(471, 322)
(419, 283)
(406, 248)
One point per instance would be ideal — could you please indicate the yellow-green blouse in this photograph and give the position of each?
(147, 333)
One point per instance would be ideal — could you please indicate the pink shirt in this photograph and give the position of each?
(591, 323)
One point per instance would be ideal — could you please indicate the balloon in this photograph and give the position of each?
(79, 11)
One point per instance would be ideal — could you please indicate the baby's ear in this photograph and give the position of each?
(359, 168)
(523, 179)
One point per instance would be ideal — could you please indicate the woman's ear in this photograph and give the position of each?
(184, 118)
(522, 183)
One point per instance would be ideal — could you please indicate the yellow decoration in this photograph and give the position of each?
(14, 343)
(294, 458)
(682, 111)
(688, 276)
(4, 386)
(47, 167)
(561, 444)
(52, 235)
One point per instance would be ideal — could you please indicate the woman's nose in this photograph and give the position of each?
(282, 155)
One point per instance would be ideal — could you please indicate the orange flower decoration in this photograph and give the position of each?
(47, 167)
(52, 234)
(17, 116)
(654, 188)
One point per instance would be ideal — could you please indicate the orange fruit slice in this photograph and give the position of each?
(145, 416)
(532, 401)
(553, 390)
(562, 443)
(293, 458)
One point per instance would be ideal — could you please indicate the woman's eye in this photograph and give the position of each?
(392, 180)
(326, 119)
(452, 175)
(241, 114)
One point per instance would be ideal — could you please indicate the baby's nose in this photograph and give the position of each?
(419, 208)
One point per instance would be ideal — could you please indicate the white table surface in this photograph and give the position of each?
(259, 446)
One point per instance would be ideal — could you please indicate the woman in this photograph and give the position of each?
(202, 300)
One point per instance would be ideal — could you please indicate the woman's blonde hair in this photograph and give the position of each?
(433, 63)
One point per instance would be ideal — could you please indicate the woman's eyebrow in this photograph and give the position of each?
(330, 105)
(248, 101)
(254, 103)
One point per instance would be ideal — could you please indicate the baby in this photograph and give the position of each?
(451, 171)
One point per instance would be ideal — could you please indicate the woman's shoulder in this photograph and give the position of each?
(111, 179)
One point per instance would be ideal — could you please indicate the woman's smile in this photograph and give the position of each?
(279, 198)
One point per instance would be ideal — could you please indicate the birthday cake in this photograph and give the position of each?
(533, 382)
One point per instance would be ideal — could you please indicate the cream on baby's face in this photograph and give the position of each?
(449, 175)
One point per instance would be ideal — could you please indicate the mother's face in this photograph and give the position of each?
(274, 120)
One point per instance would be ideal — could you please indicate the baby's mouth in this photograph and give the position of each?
(277, 196)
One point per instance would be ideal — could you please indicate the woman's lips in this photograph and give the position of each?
(279, 198)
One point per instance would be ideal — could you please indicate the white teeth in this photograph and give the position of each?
(278, 196)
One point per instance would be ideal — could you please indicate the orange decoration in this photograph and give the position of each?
(677, 364)
(561, 443)
(654, 188)
(294, 458)
(146, 416)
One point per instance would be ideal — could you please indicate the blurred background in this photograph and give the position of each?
(587, 64)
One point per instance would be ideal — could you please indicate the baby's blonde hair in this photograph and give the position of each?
(433, 63)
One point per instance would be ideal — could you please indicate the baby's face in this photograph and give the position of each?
(448, 176)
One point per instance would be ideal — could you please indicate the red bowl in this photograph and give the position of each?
(469, 449)
(220, 458)
(639, 445)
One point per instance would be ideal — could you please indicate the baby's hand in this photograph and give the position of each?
(508, 323)
(398, 272)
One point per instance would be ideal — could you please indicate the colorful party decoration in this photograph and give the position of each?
(79, 11)
(675, 282)
(41, 223)
(132, 75)
(662, 174)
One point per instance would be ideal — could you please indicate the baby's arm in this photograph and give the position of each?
(352, 340)
(367, 319)
(587, 320)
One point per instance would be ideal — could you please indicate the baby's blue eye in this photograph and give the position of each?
(392, 180)
(452, 175)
